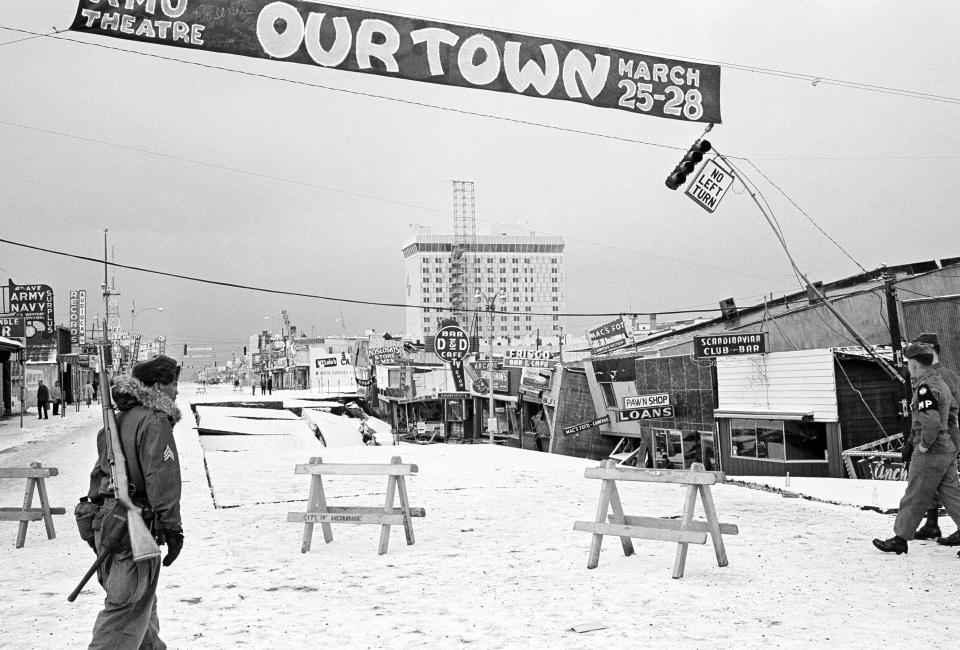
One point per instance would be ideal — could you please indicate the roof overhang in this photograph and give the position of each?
(764, 414)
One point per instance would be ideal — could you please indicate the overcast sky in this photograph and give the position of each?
(256, 181)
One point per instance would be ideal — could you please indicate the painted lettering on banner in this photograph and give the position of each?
(370, 42)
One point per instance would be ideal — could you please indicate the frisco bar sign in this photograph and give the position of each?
(417, 50)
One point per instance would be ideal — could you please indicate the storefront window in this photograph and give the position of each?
(609, 397)
(778, 440)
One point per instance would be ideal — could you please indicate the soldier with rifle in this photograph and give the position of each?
(138, 502)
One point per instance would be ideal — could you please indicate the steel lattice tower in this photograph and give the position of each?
(462, 251)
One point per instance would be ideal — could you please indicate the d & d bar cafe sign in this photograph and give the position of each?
(357, 40)
(726, 345)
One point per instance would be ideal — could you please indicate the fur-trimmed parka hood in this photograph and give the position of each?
(129, 392)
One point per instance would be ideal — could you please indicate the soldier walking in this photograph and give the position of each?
(933, 467)
(146, 414)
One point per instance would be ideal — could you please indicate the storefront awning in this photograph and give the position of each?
(9, 344)
(763, 414)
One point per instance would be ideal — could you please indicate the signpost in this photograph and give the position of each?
(608, 336)
(646, 401)
(577, 428)
(628, 415)
(709, 186)
(726, 345)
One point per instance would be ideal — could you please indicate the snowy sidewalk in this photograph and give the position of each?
(496, 562)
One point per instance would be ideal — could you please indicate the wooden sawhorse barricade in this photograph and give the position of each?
(318, 512)
(684, 531)
(34, 475)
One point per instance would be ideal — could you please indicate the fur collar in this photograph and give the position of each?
(129, 392)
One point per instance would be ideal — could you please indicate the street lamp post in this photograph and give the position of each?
(133, 317)
(491, 304)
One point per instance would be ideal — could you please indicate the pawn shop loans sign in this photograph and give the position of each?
(355, 40)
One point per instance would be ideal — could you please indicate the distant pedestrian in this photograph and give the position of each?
(253, 386)
(43, 401)
(57, 398)
(236, 385)
(263, 385)
(270, 385)
(933, 466)
(88, 393)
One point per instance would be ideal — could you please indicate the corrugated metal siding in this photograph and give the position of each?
(940, 315)
(790, 381)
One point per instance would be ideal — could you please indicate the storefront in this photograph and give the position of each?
(778, 413)
(10, 375)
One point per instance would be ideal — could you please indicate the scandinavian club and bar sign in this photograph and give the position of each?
(726, 345)
(415, 49)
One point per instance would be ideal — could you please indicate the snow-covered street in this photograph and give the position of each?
(496, 562)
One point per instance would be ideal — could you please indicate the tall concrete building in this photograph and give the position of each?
(528, 269)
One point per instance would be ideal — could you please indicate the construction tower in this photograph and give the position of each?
(463, 251)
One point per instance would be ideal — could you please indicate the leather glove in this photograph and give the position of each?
(174, 539)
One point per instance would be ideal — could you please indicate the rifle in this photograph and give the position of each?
(119, 525)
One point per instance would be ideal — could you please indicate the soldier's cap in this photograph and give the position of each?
(159, 370)
(930, 338)
(922, 352)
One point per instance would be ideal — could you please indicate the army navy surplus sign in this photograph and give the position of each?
(725, 345)
(417, 50)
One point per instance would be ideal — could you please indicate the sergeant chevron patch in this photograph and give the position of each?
(168, 454)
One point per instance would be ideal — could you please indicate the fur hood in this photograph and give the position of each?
(129, 392)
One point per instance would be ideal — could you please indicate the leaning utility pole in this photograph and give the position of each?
(896, 338)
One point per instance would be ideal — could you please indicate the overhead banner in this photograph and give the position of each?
(417, 50)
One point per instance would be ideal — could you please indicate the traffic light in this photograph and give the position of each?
(689, 163)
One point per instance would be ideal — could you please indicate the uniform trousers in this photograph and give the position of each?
(129, 615)
(930, 474)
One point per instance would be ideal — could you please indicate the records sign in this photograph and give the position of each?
(414, 49)
(78, 317)
(726, 345)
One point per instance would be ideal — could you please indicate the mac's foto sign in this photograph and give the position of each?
(357, 40)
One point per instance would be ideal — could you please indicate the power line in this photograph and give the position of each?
(809, 218)
(283, 179)
(353, 301)
(354, 92)
(814, 80)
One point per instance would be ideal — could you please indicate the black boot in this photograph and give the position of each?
(896, 545)
(930, 530)
(950, 540)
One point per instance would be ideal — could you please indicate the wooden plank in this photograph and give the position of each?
(688, 505)
(380, 518)
(674, 524)
(716, 528)
(618, 517)
(660, 534)
(358, 469)
(387, 506)
(45, 507)
(405, 507)
(681, 476)
(27, 502)
(365, 510)
(27, 472)
(593, 559)
(33, 514)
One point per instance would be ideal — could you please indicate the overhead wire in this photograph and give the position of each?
(353, 301)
